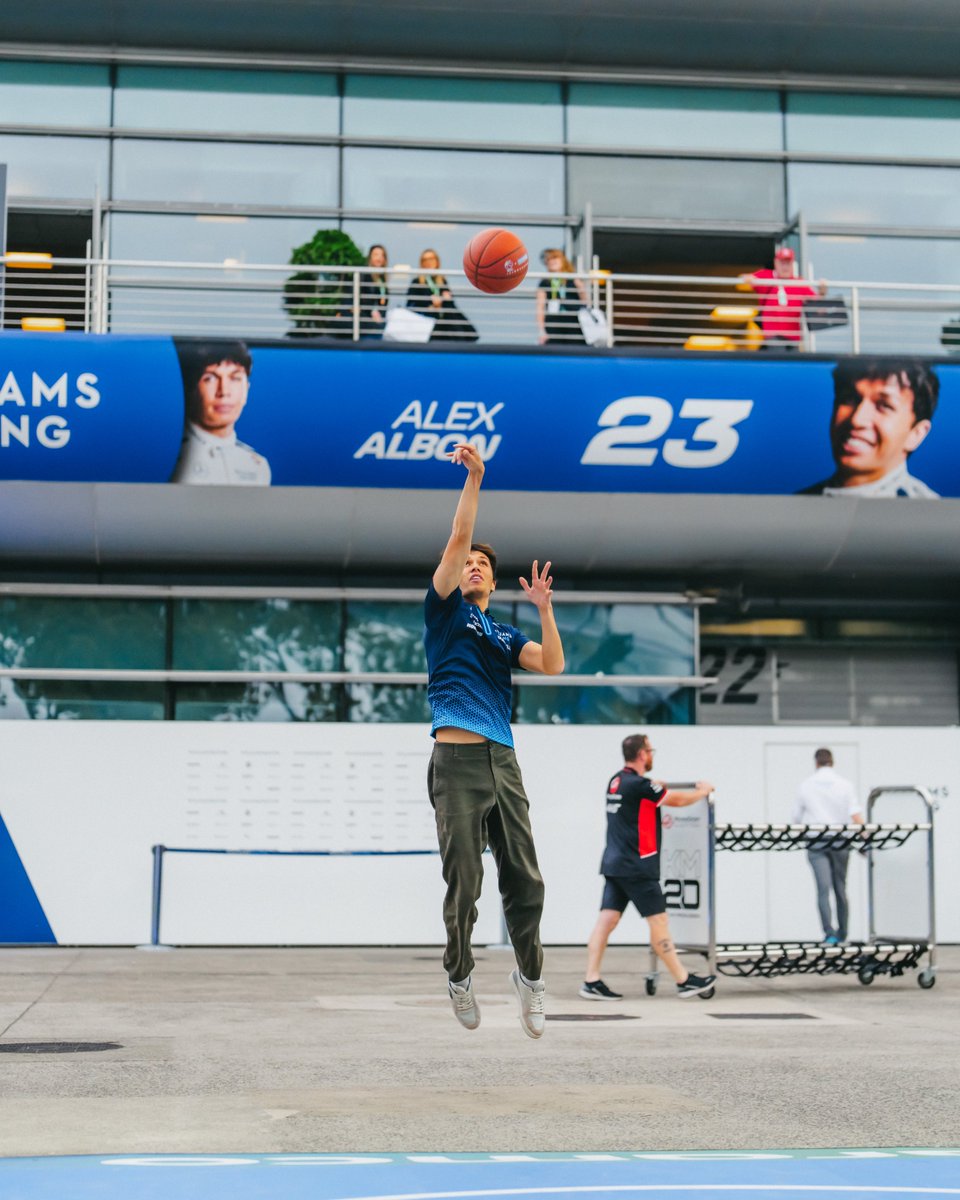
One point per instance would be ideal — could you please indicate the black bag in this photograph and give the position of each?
(825, 312)
(453, 326)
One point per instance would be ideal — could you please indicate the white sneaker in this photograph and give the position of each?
(465, 1007)
(532, 1017)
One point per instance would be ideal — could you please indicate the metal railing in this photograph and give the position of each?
(279, 301)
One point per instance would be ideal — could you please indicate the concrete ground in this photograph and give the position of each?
(300, 1050)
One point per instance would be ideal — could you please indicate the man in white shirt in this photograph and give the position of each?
(216, 383)
(826, 798)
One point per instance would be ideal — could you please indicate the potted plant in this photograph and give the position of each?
(321, 301)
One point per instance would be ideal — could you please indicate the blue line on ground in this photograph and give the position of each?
(828, 1174)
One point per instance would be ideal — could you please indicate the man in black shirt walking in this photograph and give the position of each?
(631, 867)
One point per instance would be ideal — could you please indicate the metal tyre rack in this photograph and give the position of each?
(878, 955)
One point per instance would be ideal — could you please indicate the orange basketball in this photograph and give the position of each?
(495, 260)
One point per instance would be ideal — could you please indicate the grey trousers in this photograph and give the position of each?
(477, 795)
(830, 872)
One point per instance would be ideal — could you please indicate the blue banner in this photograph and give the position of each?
(151, 410)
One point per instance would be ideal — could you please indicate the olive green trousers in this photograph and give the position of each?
(477, 795)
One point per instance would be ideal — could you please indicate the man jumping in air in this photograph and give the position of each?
(474, 781)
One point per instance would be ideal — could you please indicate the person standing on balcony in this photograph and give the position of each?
(559, 301)
(473, 780)
(374, 296)
(430, 294)
(782, 296)
(216, 384)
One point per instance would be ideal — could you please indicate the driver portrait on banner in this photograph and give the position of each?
(216, 385)
(883, 410)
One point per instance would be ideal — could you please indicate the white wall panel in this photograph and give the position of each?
(85, 801)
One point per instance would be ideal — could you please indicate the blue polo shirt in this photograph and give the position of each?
(469, 660)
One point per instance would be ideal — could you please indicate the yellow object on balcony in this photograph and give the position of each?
(709, 341)
(28, 260)
(43, 324)
(749, 336)
(735, 314)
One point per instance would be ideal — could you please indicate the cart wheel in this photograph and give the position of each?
(927, 979)
(866, 975)
(708, 994)
(650, 983)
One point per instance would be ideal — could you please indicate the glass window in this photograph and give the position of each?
(226, 101)
(885, 260)
(673, 118)
(854, 195)
(225, 172)
(454, 181)
(42, 631)
(460, 110)
(745, 672)
(250, 301)
(915, 322)
(256, 635)
(385, 637)
(55, 168)
(615, 639)
(771, 683)
(677, 189)
(54, 94)
(884, 126)
(212, 237)
(39, 631)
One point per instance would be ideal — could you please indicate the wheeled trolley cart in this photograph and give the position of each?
(689, 857)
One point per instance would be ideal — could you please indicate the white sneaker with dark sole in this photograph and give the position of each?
(465, 1007)
(532, 1018)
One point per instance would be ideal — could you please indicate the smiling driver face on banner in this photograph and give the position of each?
(874, 428)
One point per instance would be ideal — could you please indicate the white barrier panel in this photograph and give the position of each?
(84, 802)
(684, 872)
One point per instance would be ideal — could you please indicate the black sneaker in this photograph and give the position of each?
(598, 990)
(695, 985)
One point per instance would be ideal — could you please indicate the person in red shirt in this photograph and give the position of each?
(782, 296)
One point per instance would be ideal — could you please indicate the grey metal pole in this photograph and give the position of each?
(711, 882)
(157, 888)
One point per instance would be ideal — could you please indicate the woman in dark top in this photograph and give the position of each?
(374, 296)
(430, 294)
(559, 301)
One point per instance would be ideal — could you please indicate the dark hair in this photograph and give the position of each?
(909, 373)
(195, 357)
(632, 746)
(823, 758)
(483, 548)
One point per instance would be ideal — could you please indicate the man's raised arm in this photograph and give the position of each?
(448, 574)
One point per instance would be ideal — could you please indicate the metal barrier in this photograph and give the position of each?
(281, 301)
(159, 851)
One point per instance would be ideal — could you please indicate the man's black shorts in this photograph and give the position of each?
(646, 895)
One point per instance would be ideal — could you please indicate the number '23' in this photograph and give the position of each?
(620, 445)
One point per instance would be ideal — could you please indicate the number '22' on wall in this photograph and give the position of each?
(712, 440)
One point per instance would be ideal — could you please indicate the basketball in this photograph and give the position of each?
(495, 260)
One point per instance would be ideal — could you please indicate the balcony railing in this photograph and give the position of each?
(279, 301)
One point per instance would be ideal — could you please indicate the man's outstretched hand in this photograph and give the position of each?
(467, 454)
(539, 590)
